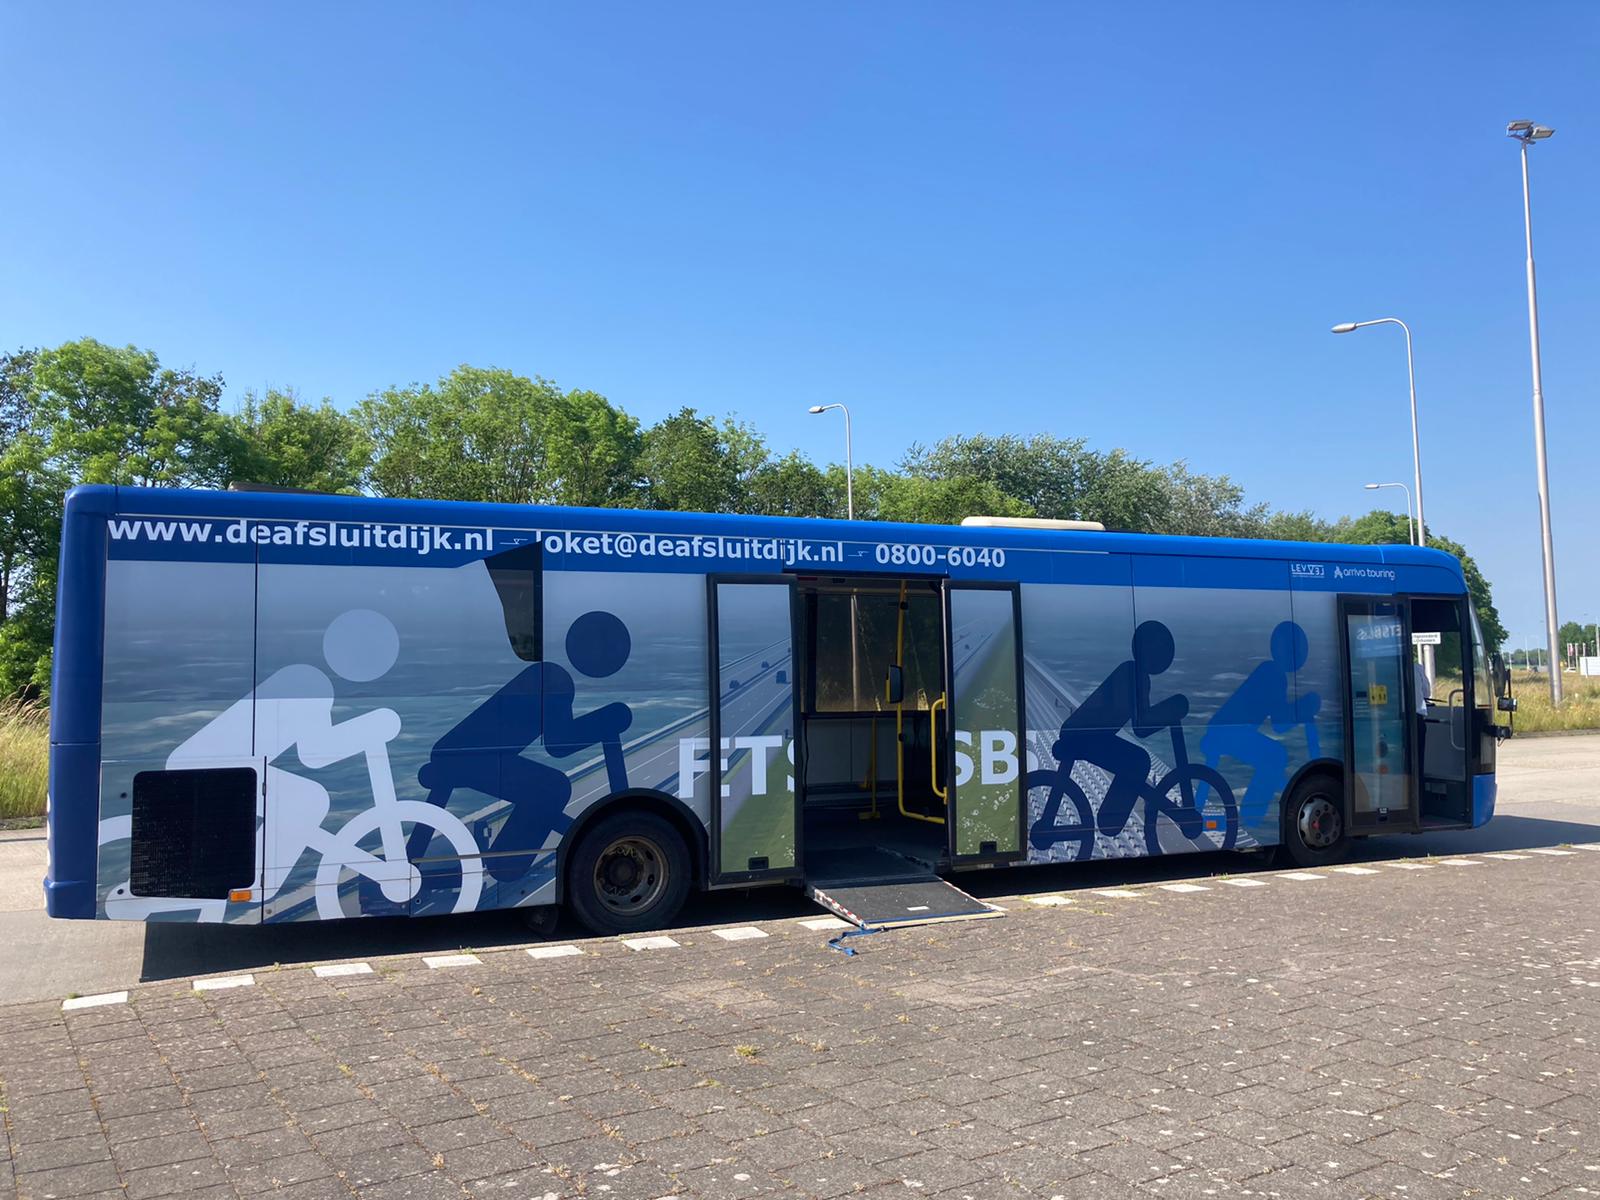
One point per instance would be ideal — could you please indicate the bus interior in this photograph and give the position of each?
(871, 657)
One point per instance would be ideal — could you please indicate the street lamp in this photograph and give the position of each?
(1411, 534)
(1526, 133)
(1416, 448)
(849, 471)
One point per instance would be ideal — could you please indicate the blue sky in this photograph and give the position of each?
(1129, 223)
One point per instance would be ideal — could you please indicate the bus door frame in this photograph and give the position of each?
(1408, 822)
(717, 875)
(948, 759)
(1470, 751)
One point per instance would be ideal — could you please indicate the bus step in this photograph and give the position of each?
(893, 903)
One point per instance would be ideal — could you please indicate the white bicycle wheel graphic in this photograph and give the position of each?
(343, 853)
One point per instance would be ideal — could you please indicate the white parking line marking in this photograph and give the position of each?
(1354, 870)
(1184, 887)
(1051, 901)
(1547, 850)
(1244, 882)
(440, 961)
(228, 981)
(1117, 893)
(1411, 866)
(94, 1001)
(1459, 862)
(661, 942)
(1586, 845)
(553, 951)
(338, 969)
(1303, 876)
(1508, 857)
(743, 933)
(826, 923)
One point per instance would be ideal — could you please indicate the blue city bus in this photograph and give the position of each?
(274, 706)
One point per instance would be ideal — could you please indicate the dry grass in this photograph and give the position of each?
(24, 759)
(1580, 702)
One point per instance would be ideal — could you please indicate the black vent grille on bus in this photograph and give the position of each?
(194, 832)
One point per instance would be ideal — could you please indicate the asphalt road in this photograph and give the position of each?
(1549, 795)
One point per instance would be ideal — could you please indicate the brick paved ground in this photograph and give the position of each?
(1408, 1033)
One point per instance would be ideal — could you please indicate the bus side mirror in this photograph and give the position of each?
(895, 686)
(1507, 704)
(1502, 677)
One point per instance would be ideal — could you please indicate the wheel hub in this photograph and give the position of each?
(1320, 823)
(630, 875)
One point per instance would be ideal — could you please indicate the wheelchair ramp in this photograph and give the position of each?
(893, 903)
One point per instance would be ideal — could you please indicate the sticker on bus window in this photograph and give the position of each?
(1378, 693)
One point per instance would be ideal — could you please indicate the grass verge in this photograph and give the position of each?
(24, 760)
(1580, 702)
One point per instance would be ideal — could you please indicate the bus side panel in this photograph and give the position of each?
(1320, 676)
(490, 753)
(1075, 633)
(659, 694)
(1235, 650)
(389, 704)
(69, 884)
(178, 697)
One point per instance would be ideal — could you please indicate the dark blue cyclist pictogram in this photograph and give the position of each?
(1092, 734)
(483, 751)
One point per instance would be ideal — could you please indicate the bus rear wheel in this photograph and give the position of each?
(1314, 832)
(629, 873)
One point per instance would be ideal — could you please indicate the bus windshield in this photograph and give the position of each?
(1482, 680)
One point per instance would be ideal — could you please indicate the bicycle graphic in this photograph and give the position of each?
(293, 708)
(1191, 819)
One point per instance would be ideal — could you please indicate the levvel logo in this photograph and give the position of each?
(1307, 570)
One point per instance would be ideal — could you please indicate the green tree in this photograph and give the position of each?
(29, 486)
(83, 412)
(1061, 478)
(889, 496)
(280, 440)
(489, 434)
(793, 486)
(116, 415)
(598, 452)
(691, 464)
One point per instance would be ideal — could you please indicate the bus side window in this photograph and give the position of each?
(518, 578)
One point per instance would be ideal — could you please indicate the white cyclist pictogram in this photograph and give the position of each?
(292, 709)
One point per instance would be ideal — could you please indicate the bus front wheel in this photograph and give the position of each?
(629, 873)
(1314, 832)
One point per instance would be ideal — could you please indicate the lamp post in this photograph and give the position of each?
(849, 471)
(1416, 447)
(1411, 532)
(1526, 133)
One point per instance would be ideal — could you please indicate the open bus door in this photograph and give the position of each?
(755, 818)
(1379, 732)
(982, 729)
(1409, 694)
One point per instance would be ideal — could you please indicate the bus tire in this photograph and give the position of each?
(1314, 830)
(628, 874)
